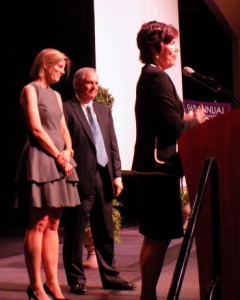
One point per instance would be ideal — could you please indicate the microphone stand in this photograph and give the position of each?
(235, 100)
(217, 87)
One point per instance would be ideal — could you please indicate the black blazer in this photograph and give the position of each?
(159, 116)
(83, 144)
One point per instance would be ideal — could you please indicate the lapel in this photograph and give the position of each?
(77, 109)
(176, 99)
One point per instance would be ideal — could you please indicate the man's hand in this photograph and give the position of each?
(118, 186)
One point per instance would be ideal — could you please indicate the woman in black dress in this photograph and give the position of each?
(46, 176)
(159, 122)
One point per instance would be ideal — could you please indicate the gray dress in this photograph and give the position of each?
(40, 180)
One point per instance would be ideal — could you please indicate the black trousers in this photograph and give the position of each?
(97, 208)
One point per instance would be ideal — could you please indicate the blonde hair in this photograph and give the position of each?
(49, 57)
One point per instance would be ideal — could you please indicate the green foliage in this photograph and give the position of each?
(103, 96)
(117, 220)
(184, 197)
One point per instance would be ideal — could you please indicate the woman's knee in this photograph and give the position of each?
(54, 218)
(53, 223)
(38, 219)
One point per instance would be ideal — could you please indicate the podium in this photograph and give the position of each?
(218, 138)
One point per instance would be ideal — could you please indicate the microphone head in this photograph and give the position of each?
(187, 71)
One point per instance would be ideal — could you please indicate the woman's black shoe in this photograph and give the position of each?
(31, 294)
(49, 292)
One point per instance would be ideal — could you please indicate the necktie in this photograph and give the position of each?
(102, 158)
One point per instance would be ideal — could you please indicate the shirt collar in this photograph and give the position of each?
(84, 105)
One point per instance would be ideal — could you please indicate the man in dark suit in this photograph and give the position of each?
(99, 182)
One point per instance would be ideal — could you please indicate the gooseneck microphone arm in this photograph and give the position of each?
(209, 83)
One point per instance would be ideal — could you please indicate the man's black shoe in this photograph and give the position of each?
(79, 289)
(121, 285)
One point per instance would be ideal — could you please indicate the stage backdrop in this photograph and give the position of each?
(117, 58)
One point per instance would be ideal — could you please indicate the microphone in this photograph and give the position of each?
(204, 80)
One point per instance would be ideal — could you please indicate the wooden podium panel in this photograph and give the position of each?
(218, 138)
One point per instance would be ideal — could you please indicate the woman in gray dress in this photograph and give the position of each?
(46, 176)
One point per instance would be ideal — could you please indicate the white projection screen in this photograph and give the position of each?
(117, 58)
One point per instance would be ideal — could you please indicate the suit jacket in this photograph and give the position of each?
(159, 119)
(83, 144)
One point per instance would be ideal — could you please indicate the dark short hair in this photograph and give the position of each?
(151, 35)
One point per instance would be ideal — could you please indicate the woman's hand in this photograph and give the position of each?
(63, 160)
(199, 114)
(67, 154)
(68, 169)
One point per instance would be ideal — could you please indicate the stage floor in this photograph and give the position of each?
(14, 279)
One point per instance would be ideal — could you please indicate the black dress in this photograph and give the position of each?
(159, 123)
